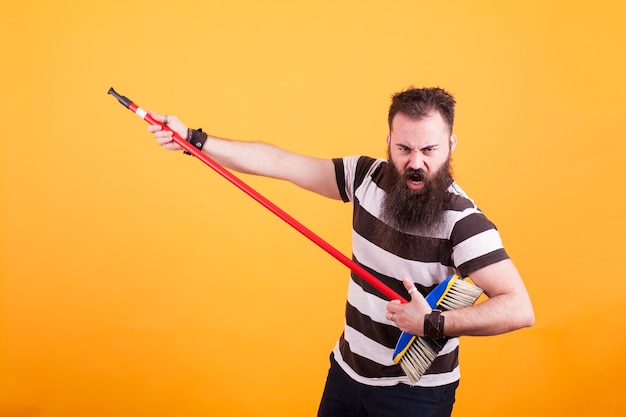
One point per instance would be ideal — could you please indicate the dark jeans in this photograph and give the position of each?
(344, 397)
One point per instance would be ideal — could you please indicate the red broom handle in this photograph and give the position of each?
(356, 268)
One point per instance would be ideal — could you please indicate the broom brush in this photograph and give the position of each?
(418, 351)
(414, 353)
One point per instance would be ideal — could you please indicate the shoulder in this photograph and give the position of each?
(464, 219)
(358, 164)
(475, 240)
(353, 171)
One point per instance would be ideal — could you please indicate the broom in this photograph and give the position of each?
(411, 350)
(415, 354)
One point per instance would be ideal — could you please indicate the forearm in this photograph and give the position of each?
(497, 315)
(508, 307)
(254, 158)
(258, 158)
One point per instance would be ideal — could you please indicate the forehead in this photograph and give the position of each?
(430, 128)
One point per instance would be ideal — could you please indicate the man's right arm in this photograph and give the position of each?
(256, 158)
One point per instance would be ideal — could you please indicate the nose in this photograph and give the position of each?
(416, 160)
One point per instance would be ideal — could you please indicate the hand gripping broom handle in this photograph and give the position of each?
(356, 268)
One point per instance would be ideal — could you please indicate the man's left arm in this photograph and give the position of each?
(507, 308)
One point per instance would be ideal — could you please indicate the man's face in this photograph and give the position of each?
(419, 148)
(419, 172)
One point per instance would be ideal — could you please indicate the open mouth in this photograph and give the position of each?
(415, 176)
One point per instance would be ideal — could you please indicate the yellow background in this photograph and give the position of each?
(137, 282)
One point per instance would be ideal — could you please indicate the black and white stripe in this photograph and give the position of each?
(466, 242)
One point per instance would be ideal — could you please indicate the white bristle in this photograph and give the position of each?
(461, 294)
(417, 359)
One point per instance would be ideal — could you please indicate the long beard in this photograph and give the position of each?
(416, 211)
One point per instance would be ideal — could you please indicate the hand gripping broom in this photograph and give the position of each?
(414, 358)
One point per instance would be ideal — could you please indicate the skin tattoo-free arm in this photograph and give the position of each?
(256, 158)
(507, 308)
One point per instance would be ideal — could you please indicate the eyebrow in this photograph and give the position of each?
(435, 145)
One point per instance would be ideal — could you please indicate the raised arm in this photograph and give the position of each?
(257, 158)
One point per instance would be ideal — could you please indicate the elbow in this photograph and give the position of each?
(520, 320)
(521, 316)
(531, 318)
(529, 321)
(526, 318)
(524, 312)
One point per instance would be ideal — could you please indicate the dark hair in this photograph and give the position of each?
(417, 103)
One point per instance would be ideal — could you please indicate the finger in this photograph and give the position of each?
(410, 286)
(163, 141)
(157, 117)
(392, 308)
(171, 146)
(154, 128)
(163, 138)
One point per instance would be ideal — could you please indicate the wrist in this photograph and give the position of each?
(197, 138)
(434, 325)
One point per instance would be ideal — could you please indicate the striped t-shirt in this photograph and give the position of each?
(467, 242)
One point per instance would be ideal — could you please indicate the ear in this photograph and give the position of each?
(388, 138)
(452, 142)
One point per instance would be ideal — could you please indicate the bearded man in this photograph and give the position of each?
(412, 227)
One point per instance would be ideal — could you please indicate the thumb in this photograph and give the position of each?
(157, 117)
(410, 286)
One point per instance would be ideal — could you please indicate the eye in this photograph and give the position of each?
(429, 149)
(403, 148)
